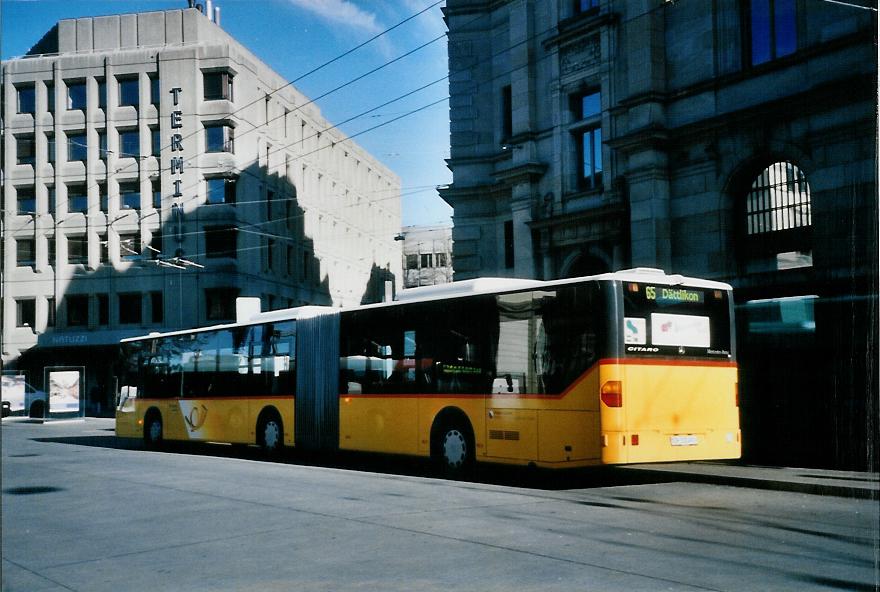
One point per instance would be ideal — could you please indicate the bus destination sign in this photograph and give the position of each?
(673, 295)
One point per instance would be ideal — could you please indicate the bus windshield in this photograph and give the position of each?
(677, 321)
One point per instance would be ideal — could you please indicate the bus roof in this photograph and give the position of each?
(457, 290)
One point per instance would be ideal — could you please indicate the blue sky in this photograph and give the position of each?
(295, 36)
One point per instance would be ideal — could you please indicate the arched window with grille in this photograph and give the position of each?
(777, 220)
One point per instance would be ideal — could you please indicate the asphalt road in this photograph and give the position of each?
(83, 511)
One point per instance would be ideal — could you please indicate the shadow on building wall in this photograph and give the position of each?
(186, 273)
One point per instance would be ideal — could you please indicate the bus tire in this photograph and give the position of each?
(270, 432)
(153, 429)
(452, 444)
(37, 410)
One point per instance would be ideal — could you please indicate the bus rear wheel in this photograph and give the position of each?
(271, 434)
(153, 430)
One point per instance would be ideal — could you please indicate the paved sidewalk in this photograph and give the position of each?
(850, 484)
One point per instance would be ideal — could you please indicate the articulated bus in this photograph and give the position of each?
(626, 367)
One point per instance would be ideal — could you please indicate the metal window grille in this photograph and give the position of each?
(779, 200)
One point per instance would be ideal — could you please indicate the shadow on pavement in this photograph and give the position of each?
(491, 474)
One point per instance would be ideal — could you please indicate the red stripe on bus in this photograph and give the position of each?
(216, 398)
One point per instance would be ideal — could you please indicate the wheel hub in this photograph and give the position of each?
(454, 448)
(271, 435)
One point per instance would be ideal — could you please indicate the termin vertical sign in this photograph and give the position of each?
(176, 141)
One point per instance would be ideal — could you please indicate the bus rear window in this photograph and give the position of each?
(675, 321)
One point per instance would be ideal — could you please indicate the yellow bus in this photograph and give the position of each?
(626, 367)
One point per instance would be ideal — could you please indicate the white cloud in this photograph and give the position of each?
(341, 12)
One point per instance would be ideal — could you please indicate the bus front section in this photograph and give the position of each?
(671, 394)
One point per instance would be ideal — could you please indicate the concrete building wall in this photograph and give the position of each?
(314, 213)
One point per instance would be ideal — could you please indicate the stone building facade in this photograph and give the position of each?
(733, 140)
(154, 170)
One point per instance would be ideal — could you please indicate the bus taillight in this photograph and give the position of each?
(612, 393)
(736, 393)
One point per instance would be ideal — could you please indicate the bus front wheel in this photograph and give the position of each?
(153, 430)
(453, 448)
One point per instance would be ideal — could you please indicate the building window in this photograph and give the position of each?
(77, 248)
(270, 254)
(305, 268)
(778, 220)
(26, 312)
(50, 147)
(50, 251)
(130, 195)
(155, 142)
(220, 190)
(129, 143)
(217, 85)
(220, 303)
(220, 241)
(128, 92)
(50, 97)
(77, 146)
(25, 149)
(77, 310)
(219, 137)
(25, 252)
(26, 201)
(103, 249)
(587, 131)
(508, 245)
(441, 259)
(27, 98)
(76, 95)
(581, 6)
(155, 247)
(103, 198)
(154, 90)
(426, 260)
(772, 26)
(77, 199)
(506, 112)
(102, 93)
(102, 144)
(412, 261)
(129, 246)
(130, 308)
(103, 310)
(157, 308)
(291, 261)
(50, 309)
(50, 198)
(156, 188)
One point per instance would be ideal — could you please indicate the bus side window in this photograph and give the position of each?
(229, 358)
(281, 363)
(569, 343)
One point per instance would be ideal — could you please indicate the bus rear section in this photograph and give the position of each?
(672, 394)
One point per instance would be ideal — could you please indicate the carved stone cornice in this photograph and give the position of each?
(527, 172)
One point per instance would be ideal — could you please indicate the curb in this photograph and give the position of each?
(824, 489)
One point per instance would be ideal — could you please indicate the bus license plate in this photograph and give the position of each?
(689, 440)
